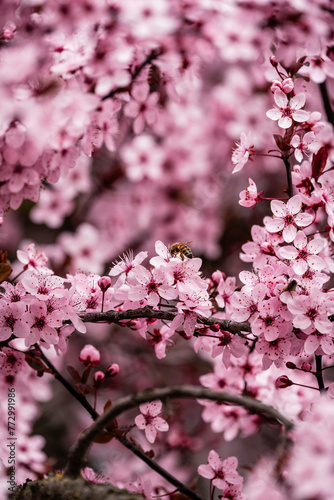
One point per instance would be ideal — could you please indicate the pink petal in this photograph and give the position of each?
(285, 122)
(301, 115)
(161, 424)
(206, 471)
(278, 208)
(274, 225)
(311, 344)
(294, 204)
(280, 98)
(304, 219)
(289, 233)
(274, 114)
(150, 433)
(298, 101)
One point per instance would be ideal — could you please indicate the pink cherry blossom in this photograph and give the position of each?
(250, 196)
(288, 110)
(150, 420)
(301, 145)
(150, 286)
(42, 326)
(312, 311)
(304, 254)
(288, 217)
(222, 473)
(11, 320)
(33, 259)
(242, 153)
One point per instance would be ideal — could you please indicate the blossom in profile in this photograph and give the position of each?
(301, 145)
(150, 420)
(287, 111)
(249, 197)
(241, 154)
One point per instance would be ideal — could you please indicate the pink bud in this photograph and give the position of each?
(215, 327)
(273, 61)
(306, 367)
(104, 283)
(112, 370)
(290, 365)
(98, 378)
(283, 382)
(89, 355)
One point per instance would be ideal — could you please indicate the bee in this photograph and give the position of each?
(182, 249)
(291, 286)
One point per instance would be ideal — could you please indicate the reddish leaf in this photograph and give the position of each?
(104, 437)
(319, 161)
(85, 375)
(107, 405)
(83, 388)
(74, 373)
(36, 364)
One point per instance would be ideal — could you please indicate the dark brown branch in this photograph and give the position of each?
(121, 438)
(154, 54)
(79, 450)
(327, 103)
(148, 312)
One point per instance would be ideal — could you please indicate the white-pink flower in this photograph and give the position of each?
(288, 110)
(288, 217)
(301, 145)
(304, 255)
(150, 420)
(312, 311)
(222, 473)
(249, 197)
(242, 152)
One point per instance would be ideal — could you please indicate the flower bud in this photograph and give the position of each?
(89, 355)
(283, 382)
(273, 61)
(112, 370)
(98, 378)
(104, 283)
(306, 367)
(290, 365)
(215, 327)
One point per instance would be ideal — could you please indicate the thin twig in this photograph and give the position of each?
(148, 312)
(80, 448)
(327, 103)
(121, 438)
(154, 54)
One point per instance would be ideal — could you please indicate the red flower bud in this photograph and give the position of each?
(112, 370)
(104, 283)
(283, 382)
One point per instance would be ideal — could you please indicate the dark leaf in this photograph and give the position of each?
(319, 161)
(74, 373)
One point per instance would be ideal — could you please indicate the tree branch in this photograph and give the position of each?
(148, 312)
(80, 448)
(121, 438)
(327, 102)
(154, 54)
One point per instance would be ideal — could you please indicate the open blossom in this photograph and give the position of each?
(249, 197)
(301, 145)
(42, 325)
(150, 420)
(151, 286)
(223, 474)
(312, 312)
(33, 259)
(288, 111)
(304, 255)
(242, 152)
(288, 217)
